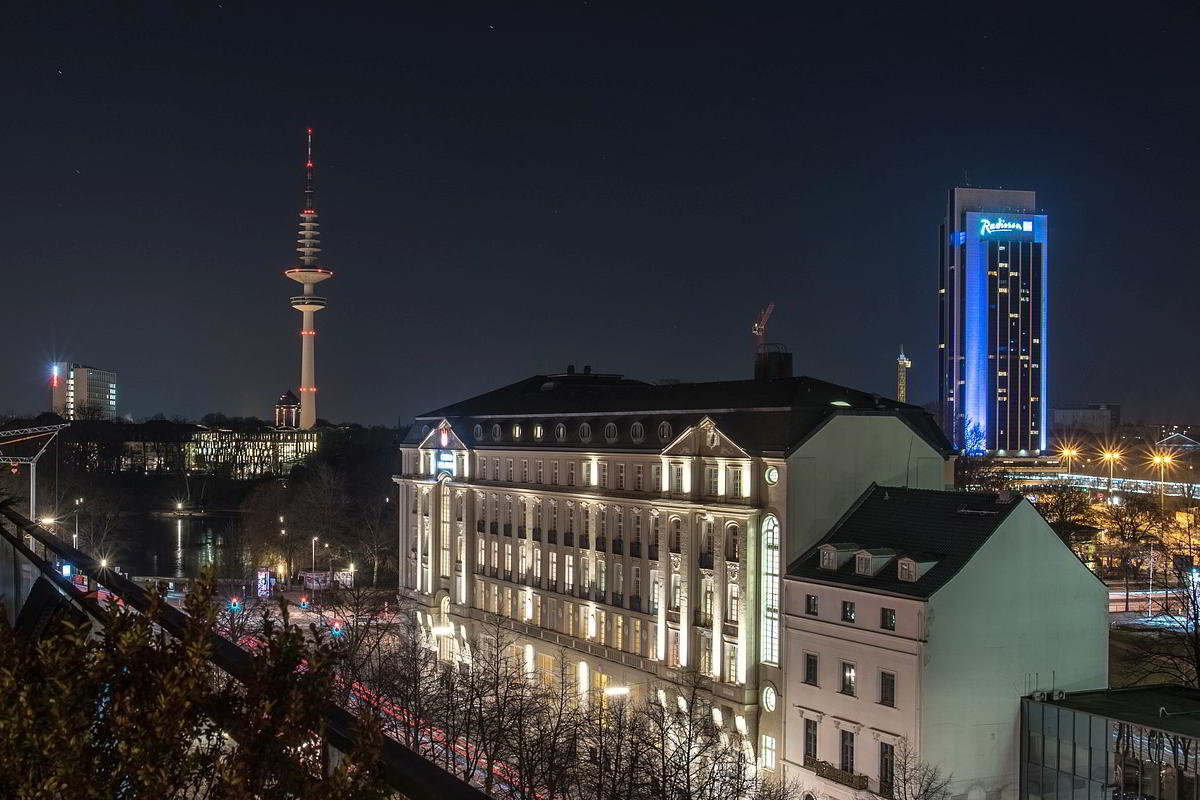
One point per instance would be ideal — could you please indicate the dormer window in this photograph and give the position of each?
(828, 559)
(862, 564)
(516, 432)
(908, 570)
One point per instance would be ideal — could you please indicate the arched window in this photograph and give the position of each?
(496, 431)
(770, 589)
(516, 432)
(610, 432)
(676, 534)
(585, 432)
(478, 432)
(637, 432)
(560, 432)
(732, 545)
(664, 431)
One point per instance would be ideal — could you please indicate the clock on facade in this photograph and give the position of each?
(772, 475)
(768, 697)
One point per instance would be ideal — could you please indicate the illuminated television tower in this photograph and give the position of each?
(309, 303)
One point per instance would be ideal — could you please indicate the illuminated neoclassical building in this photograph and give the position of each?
(641, 530)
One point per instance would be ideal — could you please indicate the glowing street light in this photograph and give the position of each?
(1162, 461)
(314, 552)
(1068, 452)
(1112, 456)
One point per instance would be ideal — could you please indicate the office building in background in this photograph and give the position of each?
(993, 322)
(78, 391)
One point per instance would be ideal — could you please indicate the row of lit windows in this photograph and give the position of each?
(611, 433)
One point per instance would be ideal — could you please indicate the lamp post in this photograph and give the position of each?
(1111, 456)
(314, 553)
(1163, 460)
(75, 538)
(329, 554)
(1068, 452)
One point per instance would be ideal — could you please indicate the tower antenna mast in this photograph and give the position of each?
(759, 328)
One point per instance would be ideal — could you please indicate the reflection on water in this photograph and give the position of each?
(180, 547)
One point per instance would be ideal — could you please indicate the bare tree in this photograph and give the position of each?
(1130, 527)
(914, 779)
(1172, 650)
(1065, 508)
(374, 535)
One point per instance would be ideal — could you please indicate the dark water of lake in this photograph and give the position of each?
(164, 545)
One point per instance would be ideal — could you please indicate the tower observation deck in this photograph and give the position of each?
(308, 274)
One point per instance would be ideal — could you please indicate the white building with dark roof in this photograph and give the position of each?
(927, 615)
(640, 531)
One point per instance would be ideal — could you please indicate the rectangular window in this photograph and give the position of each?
(733, 603)
(509, 469)
(731, 655)
(887, 689)
(570, 473)
(539, 471)
(620, 476)
(524, 470)
(637, 478)
(587, 473)
(604, 474)
(768, 752)
(656, 476)
(570, 573)
(711, 481)
(847, 611)
(734, 487)
(887, 619)
(828, 559)
(483, 468)
(637, 581)
(810, 668)
(810, 739)
(887, 769)
(847, 751)
(677, 478)
(810, 604)
(849, 679)
(553, 569)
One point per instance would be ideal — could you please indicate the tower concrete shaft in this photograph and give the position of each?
(309, 274)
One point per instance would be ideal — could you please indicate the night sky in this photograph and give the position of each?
(506, 188)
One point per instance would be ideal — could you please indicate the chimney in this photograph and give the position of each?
(570, 369)
(587, 369)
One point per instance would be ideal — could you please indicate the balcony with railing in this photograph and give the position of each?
(583, 541)
(480, 526)
(617, 600)
(618, 547)
(706, 561)
(828, 771)
(552, 536)
(602, 543)
(537, 534)
(569, 538)
(652, 552)
(508, 529)
(494, 527)
(521, 532)
(702, 619)
(635, 549)
(635, 602)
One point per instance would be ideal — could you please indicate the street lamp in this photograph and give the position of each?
(1112, 457)
(329, 553)
(314, 554)
(1163, 460)
(75, 538)
(1068, 452)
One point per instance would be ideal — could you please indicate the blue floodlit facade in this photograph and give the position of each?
(993, 331)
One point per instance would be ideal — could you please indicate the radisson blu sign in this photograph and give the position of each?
(1002, 225)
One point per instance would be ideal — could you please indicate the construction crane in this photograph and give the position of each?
(759, 328)
(46, 434)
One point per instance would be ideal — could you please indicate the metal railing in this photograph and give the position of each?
(33, 591)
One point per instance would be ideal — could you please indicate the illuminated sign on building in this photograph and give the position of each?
(263, 582)
(1002, 225)
(445, 461)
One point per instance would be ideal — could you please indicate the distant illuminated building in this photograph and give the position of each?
(287, 411)
(902, 366)
(78, 391)
(242, 454)
(992, 331)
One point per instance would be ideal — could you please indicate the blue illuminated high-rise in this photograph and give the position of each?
(992, 327)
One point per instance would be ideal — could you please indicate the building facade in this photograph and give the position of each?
(78, 391)
(1089, 419)
(993, 322)
(639, 530)
(916, 625)
(1137, 743)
